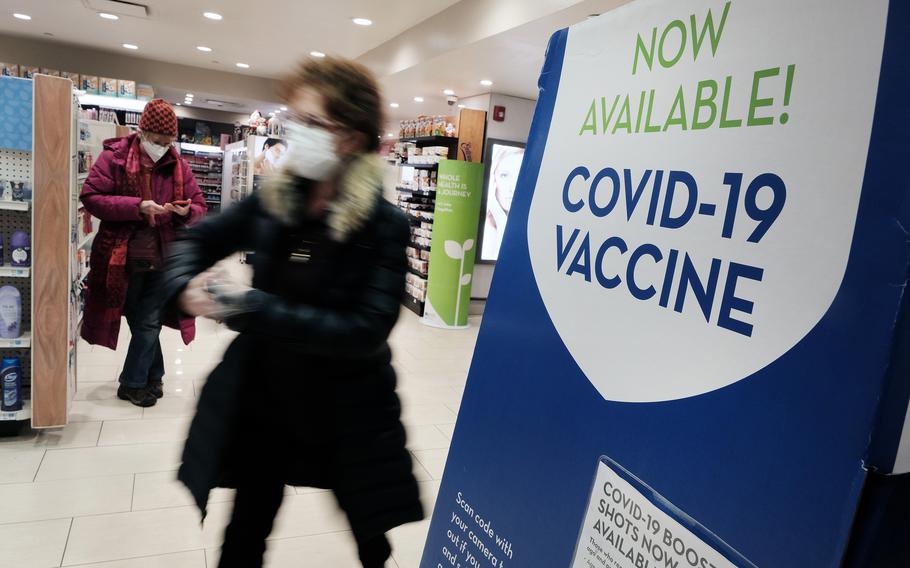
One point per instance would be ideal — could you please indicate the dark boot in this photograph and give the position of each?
(140, 397)
(156, 388)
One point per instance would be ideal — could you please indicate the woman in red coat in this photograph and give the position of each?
(143, 192)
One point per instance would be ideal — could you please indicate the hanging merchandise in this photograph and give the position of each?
(11, 384)
(10, 313)
(1, 250)
(20, 246)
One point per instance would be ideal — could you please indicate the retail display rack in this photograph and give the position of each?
(418, 159)
(207, 165)
(39, 158)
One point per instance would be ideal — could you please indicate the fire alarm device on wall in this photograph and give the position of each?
(499, 113)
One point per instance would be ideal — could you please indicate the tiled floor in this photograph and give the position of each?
(101, 492)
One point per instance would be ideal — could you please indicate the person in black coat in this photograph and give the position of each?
(306, 393)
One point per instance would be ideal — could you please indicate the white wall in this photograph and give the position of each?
(515, 127)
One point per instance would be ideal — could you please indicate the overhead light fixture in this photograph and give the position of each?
(204, 48)
(462, 106)
(284, 108)
(189, 95)
(107, 16)
(418, 99)
(19, 16)
(362, 21)
(271, 114)
(317, 54)
(213, 16)
(130, 46)
(243, 65)
(390, 135)
(448, 92)
(277, 111)
(394, 105)
(179, 104)
(486, 83)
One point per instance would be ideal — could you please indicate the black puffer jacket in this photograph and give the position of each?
(307, 390)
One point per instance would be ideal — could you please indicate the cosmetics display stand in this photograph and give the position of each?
(39, 150)
(207, 165)
(416, 192)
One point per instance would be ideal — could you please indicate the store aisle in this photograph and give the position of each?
(101, 492)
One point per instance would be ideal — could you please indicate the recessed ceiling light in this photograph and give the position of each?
(178, 104)
(243, 65)
(394, 105)
(390, 135)
(130, 46)
(213, 15)
(462, 106)
(271, 114)
(362, 21)
(418, 99)
(486, 83)
(284, 108)
(317, 54)
(189, 95)
(203, 48)
(448, 92)
(107, 16)
(277, 111)
(22, 16)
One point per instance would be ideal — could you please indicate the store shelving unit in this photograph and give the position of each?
(39, 146)
(416, 196)
(207, 165)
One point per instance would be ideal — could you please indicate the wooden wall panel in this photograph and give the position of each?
(472, 128)
(50, 250)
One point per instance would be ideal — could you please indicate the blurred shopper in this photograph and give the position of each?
(142, 191)
(306, 394)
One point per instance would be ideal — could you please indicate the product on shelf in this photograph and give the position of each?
(28, 71)
(20, 248)
(74, 77)
(126, 89)
(9, 69)
(51, 72)
(10, 312)
(89, 84)
(11, 384)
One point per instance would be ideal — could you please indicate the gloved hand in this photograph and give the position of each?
(231, 297)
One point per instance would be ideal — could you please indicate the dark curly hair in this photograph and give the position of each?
(350, 90)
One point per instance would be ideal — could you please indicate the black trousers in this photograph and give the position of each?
(255, 506)
(144, 360)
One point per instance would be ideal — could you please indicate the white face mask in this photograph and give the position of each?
(155, 151)
(311, 152)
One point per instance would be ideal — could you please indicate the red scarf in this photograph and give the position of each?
(134, 183)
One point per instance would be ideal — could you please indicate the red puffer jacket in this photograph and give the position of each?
(105, 195)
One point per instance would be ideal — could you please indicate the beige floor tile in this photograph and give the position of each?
(429, 490)
(332, 550)
(447, 429)
(171, 407)
(426, 414)
(109, 460)
(300, 515)
(108, 390)
(74, 435)
(162, 490)
(144, 431)
(109, 409)
(33, 545)
(133, 535)
(433, 460)
(420, 473)
(426, 438)
(23, 502)
(407, 543)
(194, 559)
(18, 464)
(96, 374)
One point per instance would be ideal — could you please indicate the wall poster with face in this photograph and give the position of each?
(503, 161)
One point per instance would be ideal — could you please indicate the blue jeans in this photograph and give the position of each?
(144, 360)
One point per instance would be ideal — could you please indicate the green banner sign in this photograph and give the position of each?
(458, 195)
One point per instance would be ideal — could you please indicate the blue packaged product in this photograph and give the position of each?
(11, 384)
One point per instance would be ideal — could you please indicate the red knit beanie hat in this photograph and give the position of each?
(159, 117)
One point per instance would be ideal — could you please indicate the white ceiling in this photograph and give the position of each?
(418, 47)
(269, 35)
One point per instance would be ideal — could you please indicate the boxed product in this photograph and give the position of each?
(51, 72)
(145, 92)
(89, 84)
(9, 70)
(108, 86)
(126, 89)
(74, 77)
(28, 71)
